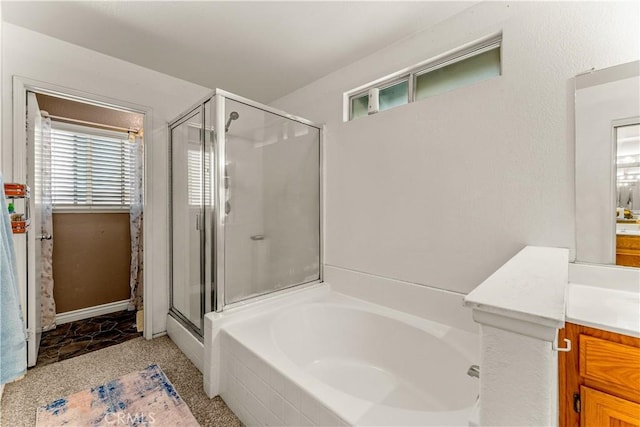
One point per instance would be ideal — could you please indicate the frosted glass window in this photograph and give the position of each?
(359, 106)
(462, 73)
(462, 68)
(389, 97)
(393, 96)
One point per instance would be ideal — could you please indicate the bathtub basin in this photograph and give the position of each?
(329, 359)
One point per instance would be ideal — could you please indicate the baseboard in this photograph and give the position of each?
(85, 313)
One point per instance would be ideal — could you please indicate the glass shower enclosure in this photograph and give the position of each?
(245, 205)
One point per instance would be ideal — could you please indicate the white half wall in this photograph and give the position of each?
(518, 380)
(35, 56)
(443, 191)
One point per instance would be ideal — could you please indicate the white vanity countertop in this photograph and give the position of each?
(526, 295)
(628, 229)
(604, 297)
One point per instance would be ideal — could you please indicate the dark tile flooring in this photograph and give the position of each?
(84, 336)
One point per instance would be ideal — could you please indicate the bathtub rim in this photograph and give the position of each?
(423, 324)
(231, 324)
(214, 322)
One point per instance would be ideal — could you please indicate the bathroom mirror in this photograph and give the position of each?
(607, 119)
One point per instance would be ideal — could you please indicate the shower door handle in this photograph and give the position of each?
(198, 222)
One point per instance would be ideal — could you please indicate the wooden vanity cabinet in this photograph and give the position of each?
(599, 379)
(628, 250)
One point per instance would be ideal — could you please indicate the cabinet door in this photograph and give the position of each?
(601, 409)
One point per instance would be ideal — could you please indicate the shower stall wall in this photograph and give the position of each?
(245, 205)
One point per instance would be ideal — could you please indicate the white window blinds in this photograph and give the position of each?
(89, 167)
(194, 177)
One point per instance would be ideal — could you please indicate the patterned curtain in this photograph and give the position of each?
(47, 303)
(135, 217)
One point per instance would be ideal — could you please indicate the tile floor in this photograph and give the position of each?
(84, 336)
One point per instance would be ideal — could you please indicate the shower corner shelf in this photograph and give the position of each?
(19, 191)
(20, 227)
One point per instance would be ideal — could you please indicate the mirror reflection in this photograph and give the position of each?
(628, 194)
(607, 165)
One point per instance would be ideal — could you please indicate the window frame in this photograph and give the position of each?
(387, 84)
(410, 74)
(91, 131)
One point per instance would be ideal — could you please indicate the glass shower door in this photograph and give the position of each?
(187, 219)
(272, 209)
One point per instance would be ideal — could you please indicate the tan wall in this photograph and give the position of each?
(91, 256)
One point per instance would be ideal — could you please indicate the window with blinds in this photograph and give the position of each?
(194, 176)
(90, 167)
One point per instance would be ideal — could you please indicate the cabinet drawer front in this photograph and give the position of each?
(601, 409)
(628, 242)
(610, 362)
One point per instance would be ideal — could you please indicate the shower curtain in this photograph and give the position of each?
(47, 303)
(135, 217)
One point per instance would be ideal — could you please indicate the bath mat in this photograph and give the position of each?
(144, 398)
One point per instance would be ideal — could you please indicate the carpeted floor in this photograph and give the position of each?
(43, 384)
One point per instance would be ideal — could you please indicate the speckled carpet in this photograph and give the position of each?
(44, 384)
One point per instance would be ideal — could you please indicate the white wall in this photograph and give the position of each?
(443, 191)
(35, 56)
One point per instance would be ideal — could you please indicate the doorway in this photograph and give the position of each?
(91, 213)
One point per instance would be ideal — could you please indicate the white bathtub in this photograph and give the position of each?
(321, 358)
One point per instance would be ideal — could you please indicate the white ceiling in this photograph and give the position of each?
(261, 50)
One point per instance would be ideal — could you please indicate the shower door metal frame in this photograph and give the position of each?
(217, 286)
(198, 330)
(220, 154)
